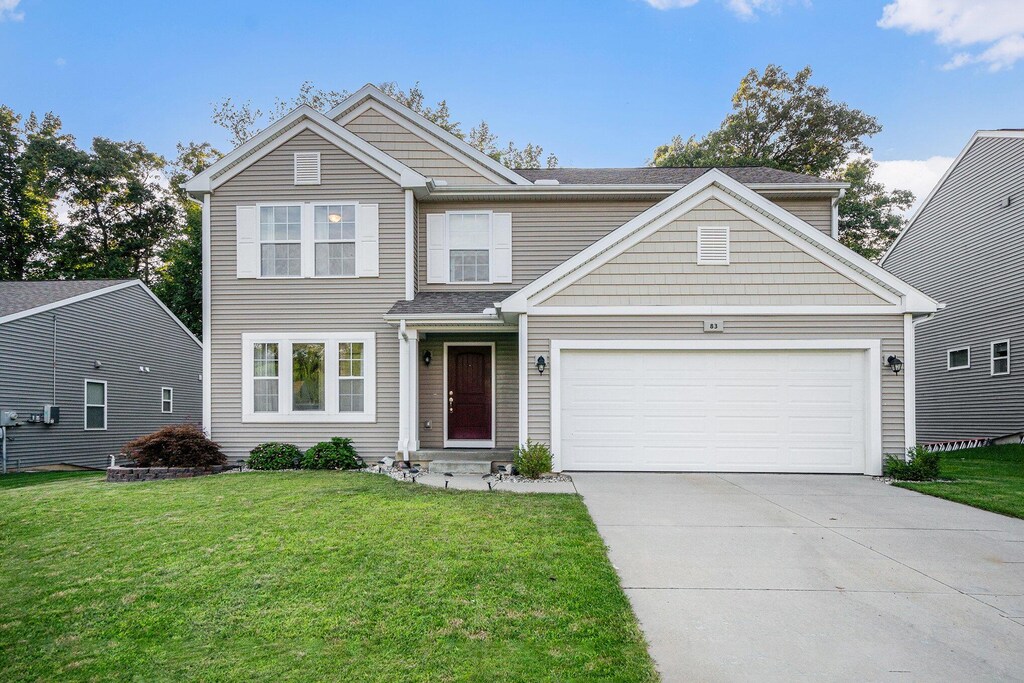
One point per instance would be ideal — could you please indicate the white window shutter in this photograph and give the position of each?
(501, 247)
(367, 240)
(247, 246)
(307, 168)
(437, 263)
(713, 245)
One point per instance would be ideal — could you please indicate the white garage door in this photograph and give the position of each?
(722, 410)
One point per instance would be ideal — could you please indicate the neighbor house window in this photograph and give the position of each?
(334, 239)
(281, 241)
(95, 404)
(167, 400)
(469, 247)
(958, 359)
(324, 377)
(1001, 358)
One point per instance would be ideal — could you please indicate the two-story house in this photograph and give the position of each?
(368, 274)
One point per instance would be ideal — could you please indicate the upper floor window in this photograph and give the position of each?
(166, 400)
(334, 239)
(958, 359)
(95, 404)
(468, 247)
(1001, 357)
(280, 241)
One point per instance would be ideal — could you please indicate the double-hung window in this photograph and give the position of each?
(95, 405)
(309, 377)
(469, 247)
(334, 239)
(1001, 357)
(166, 400)
(280, 231)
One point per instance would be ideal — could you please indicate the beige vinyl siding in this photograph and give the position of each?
(764, 269)
(887, 328)
(431, 387)
(544, 233)
(412, 150)
(815, 210)
(303, 305)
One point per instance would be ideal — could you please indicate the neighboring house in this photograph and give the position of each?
(114, 361)
(964, 246)
(372, 276)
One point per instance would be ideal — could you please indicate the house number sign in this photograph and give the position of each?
(714, 326)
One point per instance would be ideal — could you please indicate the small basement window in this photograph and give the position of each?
(958, 359)
(1001, 357)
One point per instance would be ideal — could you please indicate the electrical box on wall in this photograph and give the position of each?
(51, 414)
(8, 418)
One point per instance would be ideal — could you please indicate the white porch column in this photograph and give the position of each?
(524, 379)
(414, 390)
(404, 395)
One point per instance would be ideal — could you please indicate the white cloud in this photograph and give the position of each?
(9, 10)
(60, 61)
(918, 176)
(671, 4)
(995, 27)
(744, 9)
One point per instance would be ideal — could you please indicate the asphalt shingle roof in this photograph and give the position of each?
(426, 303)
(656, 175)
(16, 297)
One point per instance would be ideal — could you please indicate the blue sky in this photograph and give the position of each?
(598, 83)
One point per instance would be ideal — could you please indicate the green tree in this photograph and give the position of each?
(788, 123)
(244, 120)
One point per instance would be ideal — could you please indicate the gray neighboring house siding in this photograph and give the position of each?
(122, 329)
(964, 248)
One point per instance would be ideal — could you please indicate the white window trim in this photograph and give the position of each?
(86, 405)
(728, 245)
(260, 241)
(992, 358)
(949, 355)
(169, 400)
(307, 240)
(330, 414)
(490, 247)
(354, 241)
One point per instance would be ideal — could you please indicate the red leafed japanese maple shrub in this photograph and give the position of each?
(182, 445)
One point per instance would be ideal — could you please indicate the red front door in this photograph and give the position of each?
(469, 393)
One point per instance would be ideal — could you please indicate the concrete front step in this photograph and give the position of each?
(459, 466)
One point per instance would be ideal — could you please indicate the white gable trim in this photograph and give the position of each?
(100, 292)
(715, 184)
(301, 119)
(369, 94)
(945, 176)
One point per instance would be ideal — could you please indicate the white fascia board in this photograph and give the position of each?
(456, 192)
(346, 110)
(722, 310)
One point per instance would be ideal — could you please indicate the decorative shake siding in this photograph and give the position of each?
(888, 328)
(304, 305)
(123, 330)
(431, 387)
(965, 249)
(412, 150)
(764, 269)
(815, 210)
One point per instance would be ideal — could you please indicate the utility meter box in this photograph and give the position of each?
(51, 414)
(8, 418)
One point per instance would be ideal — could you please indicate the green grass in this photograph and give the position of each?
(990, 478)
(17, 481)
(305, 576)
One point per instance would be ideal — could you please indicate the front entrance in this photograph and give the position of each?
(469, 395)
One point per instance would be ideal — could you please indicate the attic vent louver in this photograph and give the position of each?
(713, 245)
(307, 168)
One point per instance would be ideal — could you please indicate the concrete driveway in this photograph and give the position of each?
(812, 577)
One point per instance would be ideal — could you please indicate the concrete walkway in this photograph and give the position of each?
(813, 577)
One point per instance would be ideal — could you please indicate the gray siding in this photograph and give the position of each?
(431, 387)
(887, 328)
(304, 305)
(815, 210)
(122, 330)
(965, 250)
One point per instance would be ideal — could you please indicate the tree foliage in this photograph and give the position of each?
(788, 123)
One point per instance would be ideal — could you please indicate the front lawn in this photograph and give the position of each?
(990, 478)
(305, 576)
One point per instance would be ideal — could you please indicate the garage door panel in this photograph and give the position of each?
(769, 411)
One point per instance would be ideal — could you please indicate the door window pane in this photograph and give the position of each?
(307, 377)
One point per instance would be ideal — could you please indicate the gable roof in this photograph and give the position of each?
(658, 175)
(300, 119)
(22, 299)
(715, 183)
(1001, 133)
(460, 149)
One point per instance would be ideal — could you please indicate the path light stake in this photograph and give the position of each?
(447, 477)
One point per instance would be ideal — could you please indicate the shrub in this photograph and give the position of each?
(532, 459)
(920, 465)
(336, 454)
(274, 456)
(181, 445)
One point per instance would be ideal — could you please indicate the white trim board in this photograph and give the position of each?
(873, 370)
(471, 443)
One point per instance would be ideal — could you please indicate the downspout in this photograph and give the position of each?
(54, 397)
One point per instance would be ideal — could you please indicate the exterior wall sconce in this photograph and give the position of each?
(894, 363)
(427, 357)
(541, 364)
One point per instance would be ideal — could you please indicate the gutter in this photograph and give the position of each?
(458, 192)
